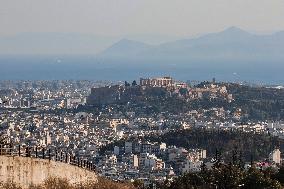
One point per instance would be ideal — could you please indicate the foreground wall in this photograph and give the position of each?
(26, 171)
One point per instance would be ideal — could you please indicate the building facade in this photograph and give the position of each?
(157, 82)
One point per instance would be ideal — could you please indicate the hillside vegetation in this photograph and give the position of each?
(249, 144)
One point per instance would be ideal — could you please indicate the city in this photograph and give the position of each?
(141, 94)
(110, 125)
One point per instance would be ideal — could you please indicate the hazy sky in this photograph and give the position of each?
(124, 17)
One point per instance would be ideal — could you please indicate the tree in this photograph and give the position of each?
(138, 184)
(126, 84)
(183, 91)
(279, 175)
(134, 83)
(223, 177)
(255, 179)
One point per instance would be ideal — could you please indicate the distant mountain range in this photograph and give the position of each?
(229, 55)
(125, 48)
(67, 43)
(230, 44)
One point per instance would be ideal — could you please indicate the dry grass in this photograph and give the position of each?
(9, 185)
(59, 183)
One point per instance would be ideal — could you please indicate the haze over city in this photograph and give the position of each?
(153, 22)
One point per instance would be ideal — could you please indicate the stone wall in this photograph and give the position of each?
(26, 171)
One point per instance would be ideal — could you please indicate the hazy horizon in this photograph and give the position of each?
(132, 17)
(88, 27)
(93, 25)
(59, 43)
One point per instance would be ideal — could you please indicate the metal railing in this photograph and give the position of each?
(46, 153)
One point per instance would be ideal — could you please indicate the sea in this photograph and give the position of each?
(88, 67)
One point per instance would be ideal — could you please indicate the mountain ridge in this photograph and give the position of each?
(125, 46)
(230, 44)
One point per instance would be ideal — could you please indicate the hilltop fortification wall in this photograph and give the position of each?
(27, 170)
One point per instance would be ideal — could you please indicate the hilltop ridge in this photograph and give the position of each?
(230, 44)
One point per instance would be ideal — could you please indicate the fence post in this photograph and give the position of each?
(49, 157)
(19, 150)
(10, 149)
(66, 157)
(93, 167)
(36, 152)
(43, 153)
(27, 152)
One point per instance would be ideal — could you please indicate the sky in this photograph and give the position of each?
(130, 17)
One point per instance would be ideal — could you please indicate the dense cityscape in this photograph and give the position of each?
(141, 94)
(121, 127)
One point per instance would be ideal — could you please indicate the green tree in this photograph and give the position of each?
(134, 83)
(255, 179)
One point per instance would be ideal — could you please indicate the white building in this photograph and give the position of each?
(274, 156)
(191, 166)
